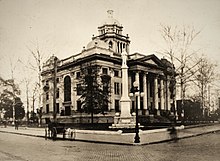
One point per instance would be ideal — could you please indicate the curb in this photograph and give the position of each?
(32, 135)
(114, 143)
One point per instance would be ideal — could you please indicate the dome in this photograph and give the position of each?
(98, 43)
(110, 20)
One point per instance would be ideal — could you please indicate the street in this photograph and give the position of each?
(23, 148)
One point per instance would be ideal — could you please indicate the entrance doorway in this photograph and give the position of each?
(67, 111)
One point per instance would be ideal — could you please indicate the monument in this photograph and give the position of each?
(124, 120)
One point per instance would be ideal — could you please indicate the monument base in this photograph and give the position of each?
(123, 122)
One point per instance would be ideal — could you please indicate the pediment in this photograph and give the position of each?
(150, 61)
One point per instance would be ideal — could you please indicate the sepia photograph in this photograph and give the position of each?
(109, 80)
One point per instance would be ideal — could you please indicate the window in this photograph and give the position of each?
(58, 108)
(117, 106)
(58, 93)
(159, 93)
(116, 73)
(116, 87)
(89, 70)
(57, 80)
(110, 44)
(78, 89)
(47, 108)
(104, 71)
(78, 105)
(78, 75)
(67, 88)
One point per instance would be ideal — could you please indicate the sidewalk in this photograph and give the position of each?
(146, 137)
(36, 132)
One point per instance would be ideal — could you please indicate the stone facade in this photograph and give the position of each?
(153, 74)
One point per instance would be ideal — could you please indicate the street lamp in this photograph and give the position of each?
(136, 93)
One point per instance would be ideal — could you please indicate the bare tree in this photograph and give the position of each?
(179, 50)
(38, 57)
(204, 76)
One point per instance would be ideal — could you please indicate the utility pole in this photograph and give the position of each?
(55, 90)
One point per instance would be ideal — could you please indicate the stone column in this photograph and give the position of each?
(162, 94)
(145, 94)
(168, 94)
(148, 94)
(156, 93)
(137, 79)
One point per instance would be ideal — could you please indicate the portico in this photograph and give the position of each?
(153, 84)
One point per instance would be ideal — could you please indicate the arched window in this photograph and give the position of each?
(110, 44)
(118, 47)
(123, 46)
(67, 88)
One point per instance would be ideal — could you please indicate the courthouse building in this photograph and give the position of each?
(153, 74)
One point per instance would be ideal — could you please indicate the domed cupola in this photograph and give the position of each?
(96, 42)
(110, 31)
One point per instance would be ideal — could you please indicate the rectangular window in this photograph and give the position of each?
(79, 105)
(117, 106)
(58, 93)
(78, 75)
(159, 93)
(47, 108)
(78, 89)
(58, 108)
(116, 73)
(104, 71)
(116, 87)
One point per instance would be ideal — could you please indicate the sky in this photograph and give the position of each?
(63, 27)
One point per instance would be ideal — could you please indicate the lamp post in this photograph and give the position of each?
(136, 93)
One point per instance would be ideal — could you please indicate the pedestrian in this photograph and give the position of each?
(5, 123)
(173, 133)
(16, 124)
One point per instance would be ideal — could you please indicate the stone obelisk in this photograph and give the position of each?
(124, 120)
(125, 100)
